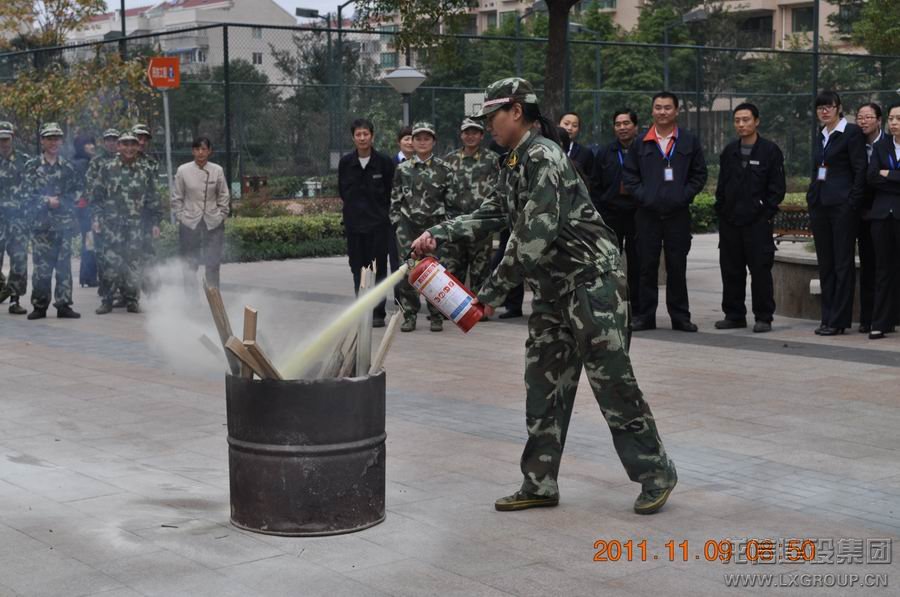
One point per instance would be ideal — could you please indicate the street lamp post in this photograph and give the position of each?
(340, 73)
(694, 16)
(405, 80)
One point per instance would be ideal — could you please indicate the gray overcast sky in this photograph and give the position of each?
(323, 6)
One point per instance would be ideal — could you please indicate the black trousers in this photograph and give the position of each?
(622, 223)
(365, 247)
(866, 252)
(673, 234)
(886, 242)
(516, 296)
(834, 232)
(743, 248)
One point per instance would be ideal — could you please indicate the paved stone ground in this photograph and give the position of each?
(114, 480)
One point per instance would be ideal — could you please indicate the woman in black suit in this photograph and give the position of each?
(581, 155)
(835, 196)
(884, 178)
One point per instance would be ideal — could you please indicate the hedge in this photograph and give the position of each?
(703, 213)
(261, 239)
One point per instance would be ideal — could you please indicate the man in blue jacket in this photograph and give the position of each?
(664, 171)
(750, 188)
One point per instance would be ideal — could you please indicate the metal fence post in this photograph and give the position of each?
(598, 64)
(699, 99)
(226, 80)
(815, 78)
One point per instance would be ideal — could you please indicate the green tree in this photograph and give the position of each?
(878, 27)
(48, 22)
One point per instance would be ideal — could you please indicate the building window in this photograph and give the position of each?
(490, 20)
(256, 32)
(386, 31)
(848, 14)
(605, 4)
(802, 19)
(389, 60)
(257, 58)
(470, 25)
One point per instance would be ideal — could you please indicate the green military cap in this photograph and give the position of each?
(128, 136)
(7, 130)
(506, 91)
(423, 127)
(111, 133)
(51, 129)
(141, 129)
(468, 123)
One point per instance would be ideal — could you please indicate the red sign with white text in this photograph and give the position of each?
(164, 72)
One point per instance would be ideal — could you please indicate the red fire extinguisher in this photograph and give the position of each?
(446, 293)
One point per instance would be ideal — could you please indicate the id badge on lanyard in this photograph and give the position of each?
(823, 172)
(668, 172)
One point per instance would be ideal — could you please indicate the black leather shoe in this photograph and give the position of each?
(684, 326)
(37, 314)
(640, 325)
(510, 314)
(864, 329)
(829, 331)
(16, 309)
(818, 331)
(67, 313)
(876, 335)
(761, 327)
(731, 324)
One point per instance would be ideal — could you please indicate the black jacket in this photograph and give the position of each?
(644, 171)
(583, 158)
(366, 193)
(744, 195)
(845, 181)
(606, 179)
(887, 189)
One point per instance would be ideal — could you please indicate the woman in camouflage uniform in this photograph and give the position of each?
(561, 248)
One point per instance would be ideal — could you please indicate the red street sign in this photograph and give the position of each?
(164, 72)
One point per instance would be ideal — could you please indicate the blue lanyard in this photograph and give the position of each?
(621, 159)
(668, 156)
(892, 159)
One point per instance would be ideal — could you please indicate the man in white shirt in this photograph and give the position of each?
(200, 203)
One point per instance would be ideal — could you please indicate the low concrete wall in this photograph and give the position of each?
(791, 276)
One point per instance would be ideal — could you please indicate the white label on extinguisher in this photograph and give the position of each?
(443, 292)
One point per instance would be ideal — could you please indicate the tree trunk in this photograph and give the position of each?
(555, 70)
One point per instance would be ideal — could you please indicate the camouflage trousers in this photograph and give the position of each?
(51, 252)
(14, 242)
(586, 328)
(120, 252)
(469, 262)
(407, 232)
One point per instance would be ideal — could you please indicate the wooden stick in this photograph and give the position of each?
(211, 346)
(364, 342)
(240, 352)
(263, 361)
(349, 359)
(223, 326)
(250, 316)
(386, 341)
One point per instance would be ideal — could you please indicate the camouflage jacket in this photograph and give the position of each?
(12, 172)
(93, 171)
(557, 241)
(124, 194)
(150, 163)
(43, 180)
(473, 177)
(420, 193)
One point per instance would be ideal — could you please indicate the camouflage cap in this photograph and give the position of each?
(141, 129)
(505, 91)
(468, 123)
(7, 130)
(111, 133)
(423, 127)
(51, 129)
(128, 136)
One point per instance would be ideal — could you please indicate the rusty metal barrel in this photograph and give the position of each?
(306, 457)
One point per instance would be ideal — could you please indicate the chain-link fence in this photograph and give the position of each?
(277, 101)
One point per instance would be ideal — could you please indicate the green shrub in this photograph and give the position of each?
(285, 187)
(703, 214)
(260, 239)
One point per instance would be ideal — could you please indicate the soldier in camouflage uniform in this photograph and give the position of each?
(124, 198)
(474, 174)
(561, 248)
(151, 164)
(418, 201)
(14, 222)
(108, 152)
(50, 186)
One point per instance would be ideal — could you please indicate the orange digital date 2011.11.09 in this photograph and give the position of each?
(724, 550)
